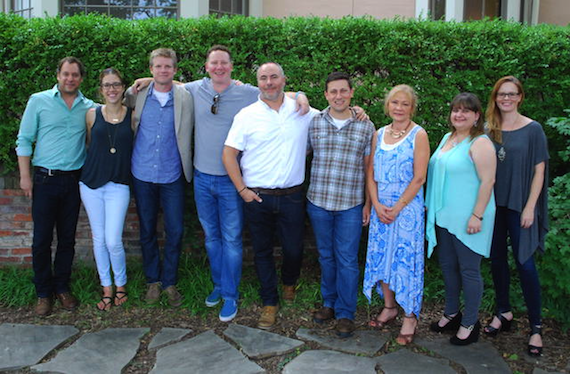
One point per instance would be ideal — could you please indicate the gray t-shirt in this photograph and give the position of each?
(523, 149)
(211, 129)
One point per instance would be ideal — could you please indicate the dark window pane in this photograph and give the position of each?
(143, 2)
(120, 2)
(102, 10)
(238, 7)
(121, 12)
(492, 8)
(74, 2)
(166, 12)
(71, 10)
(438, 9)
(142, 13)
(473, 9)
(226, 6)
(97, 2)
(214, 5)
(167, 3)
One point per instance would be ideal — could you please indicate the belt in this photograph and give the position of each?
(52, 172)
(277, 191)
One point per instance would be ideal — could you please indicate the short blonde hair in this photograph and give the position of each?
(163, 52)
(406, 90)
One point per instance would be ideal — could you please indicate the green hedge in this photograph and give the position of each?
(439, 59)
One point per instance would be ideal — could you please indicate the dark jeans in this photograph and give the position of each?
(149, 198)
(508, 222)
(55, 203)
(460, 267)
(287, 214)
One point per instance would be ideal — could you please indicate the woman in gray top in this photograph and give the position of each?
(522, 214)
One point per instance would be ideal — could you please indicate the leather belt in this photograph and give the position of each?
(277, 191)
(52, 172)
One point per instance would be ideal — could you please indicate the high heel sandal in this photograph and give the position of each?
(472, 338)
(505, 325)
(452, 324)
(533, 350)
(376, 323)
(405, 339)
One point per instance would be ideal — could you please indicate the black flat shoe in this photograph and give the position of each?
(451, 325)
(533, 350)
(505, 326)
(472, 338)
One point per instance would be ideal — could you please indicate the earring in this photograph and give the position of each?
(475, 124)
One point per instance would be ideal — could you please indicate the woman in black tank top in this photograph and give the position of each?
(104, 185)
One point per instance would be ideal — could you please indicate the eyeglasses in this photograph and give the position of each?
(107, 86)
(507, 95)
(214, 108)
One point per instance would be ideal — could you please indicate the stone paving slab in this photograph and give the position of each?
(203, 354)
(257, 343)
(406, 361)
(362, 342)
(329, 362)
(477, 358)
(167, 335)
(106, 351)
(25, 345)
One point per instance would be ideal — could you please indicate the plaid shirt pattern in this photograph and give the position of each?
(337, 171)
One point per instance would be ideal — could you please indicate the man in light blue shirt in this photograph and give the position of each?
(161, 164)
(55, 121)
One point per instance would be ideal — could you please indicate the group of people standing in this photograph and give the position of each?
(250, 148)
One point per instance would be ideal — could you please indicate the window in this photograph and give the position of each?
(479, 9)
(22, 8)
(127, 9)
(437, 9)
(229, 7)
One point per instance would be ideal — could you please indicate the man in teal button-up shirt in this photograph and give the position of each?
(55, 121)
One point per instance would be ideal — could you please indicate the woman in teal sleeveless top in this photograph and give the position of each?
(460, 214)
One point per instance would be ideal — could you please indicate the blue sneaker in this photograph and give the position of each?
(214, 298)
(229, 310)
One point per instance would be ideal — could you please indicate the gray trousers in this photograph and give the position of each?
(461, 269)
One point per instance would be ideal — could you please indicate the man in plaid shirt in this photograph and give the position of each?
(338, 205)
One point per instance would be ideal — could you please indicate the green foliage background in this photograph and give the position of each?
(439, 59)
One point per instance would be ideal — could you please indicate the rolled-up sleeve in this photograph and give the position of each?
(28, 128)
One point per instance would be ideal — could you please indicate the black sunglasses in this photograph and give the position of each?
(214, 108)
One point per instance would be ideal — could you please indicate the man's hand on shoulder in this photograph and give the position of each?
(141, 84)
(360, 114)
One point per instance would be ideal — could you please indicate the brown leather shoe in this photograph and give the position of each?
(268, 317)
(323, 314)
(288, 293)
(44, 306)
(67, 300)
(345, 328)
(174, 297)
(153, 293)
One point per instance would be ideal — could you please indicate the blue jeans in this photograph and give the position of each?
(220, 211)
(106, 209)
(338, 237)
(287, 215)
(55, 203)
(508, 222)
(461, 268)
(149, 197)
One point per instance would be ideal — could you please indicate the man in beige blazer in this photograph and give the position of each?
(161, 164)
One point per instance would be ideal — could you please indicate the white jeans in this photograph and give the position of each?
(106, 208)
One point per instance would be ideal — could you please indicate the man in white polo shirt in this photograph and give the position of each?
(272, 139)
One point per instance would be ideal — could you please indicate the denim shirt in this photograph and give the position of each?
(156, 158)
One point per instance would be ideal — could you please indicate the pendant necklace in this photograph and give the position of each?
(112, 139)
(398, 134)
(502, 154)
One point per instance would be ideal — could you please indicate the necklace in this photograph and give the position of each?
(112, 139)
(455, 141)
(502, 153)
(115, 117)
(398, 134)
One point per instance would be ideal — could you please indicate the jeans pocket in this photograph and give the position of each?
(40, 178)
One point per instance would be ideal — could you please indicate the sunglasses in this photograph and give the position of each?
(214, 108)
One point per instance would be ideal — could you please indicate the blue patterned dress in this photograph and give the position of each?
(396, 251)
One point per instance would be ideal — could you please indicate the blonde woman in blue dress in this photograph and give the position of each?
(460, 215)
(395, 257)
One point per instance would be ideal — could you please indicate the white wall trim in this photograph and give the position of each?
(256, 8)
(422, 9)
(513, 10)
(454, 10)
(194, 8)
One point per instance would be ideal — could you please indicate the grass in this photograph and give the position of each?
(16, 287)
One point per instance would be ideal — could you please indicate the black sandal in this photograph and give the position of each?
(452, 324)
(505, 325)
(533, 350)
(120, 295)
(107, 304)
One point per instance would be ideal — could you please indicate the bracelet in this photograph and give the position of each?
(298, 93)
(476, 216)
(243, 189)
(403, 201)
